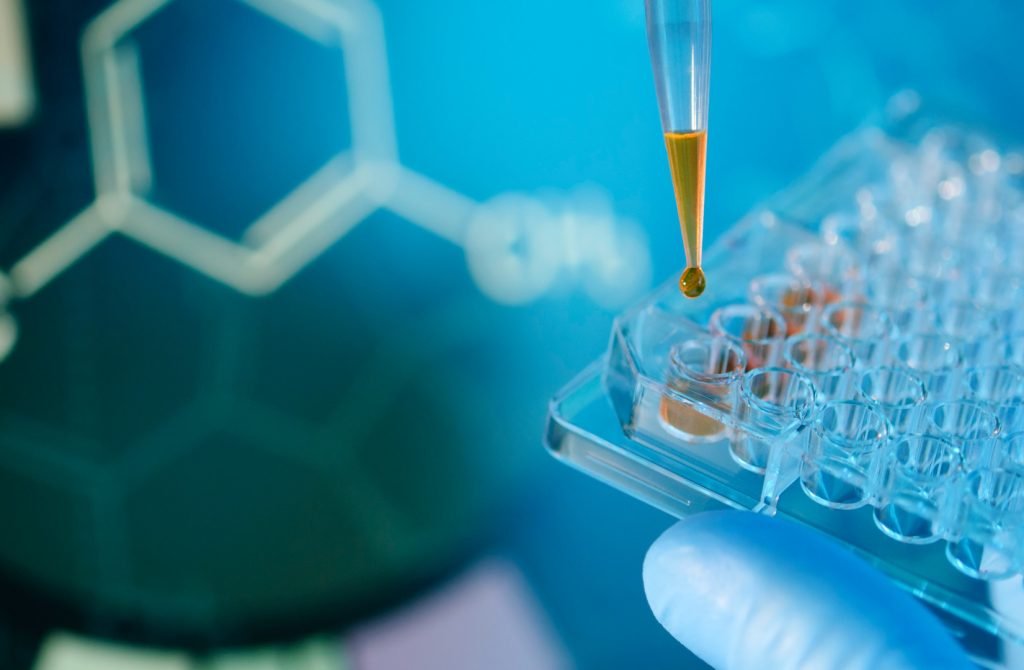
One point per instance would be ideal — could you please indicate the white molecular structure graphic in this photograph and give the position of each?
(517, 247)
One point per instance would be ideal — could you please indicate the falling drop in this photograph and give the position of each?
(692, 282)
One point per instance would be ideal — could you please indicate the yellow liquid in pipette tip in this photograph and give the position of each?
(687, 155)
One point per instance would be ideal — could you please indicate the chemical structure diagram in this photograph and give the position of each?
(518, 247)
(104, 480)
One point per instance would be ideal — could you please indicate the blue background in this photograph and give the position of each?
(488, 98)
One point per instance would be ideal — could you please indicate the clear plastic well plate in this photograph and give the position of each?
(854, 364)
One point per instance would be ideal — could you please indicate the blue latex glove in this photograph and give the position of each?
(744, 591)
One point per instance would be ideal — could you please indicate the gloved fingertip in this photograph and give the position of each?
(742, 590)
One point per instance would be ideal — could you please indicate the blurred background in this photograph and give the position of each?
(287, 285)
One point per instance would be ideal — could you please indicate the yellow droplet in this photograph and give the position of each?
(692, 282)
